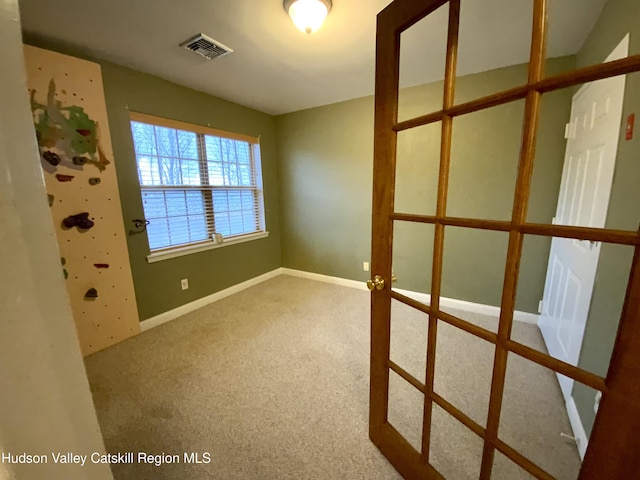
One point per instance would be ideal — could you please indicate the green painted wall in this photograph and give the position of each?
(157, 285)
(325, 157)
(618, 18)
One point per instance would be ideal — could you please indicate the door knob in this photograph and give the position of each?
(377, 283)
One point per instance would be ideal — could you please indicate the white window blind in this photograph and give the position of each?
(196, 182)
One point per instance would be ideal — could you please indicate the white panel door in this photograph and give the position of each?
(583, 201)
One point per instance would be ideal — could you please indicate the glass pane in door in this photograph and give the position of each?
(492, 53)
(535, 420)
(406, 405)
(422, 68)
(455, 451)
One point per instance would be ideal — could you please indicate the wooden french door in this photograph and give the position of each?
(614, 447)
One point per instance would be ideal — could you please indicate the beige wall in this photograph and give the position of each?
(45, 402)
(325, 158)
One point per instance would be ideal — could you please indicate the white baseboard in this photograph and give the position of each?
(576, 425)
(344, 282)
(201, 302)
(519, 316)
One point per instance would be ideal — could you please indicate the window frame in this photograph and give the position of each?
(173, 251)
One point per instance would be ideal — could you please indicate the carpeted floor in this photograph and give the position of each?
(273, 382)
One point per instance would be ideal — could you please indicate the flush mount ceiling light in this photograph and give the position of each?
(308, 15)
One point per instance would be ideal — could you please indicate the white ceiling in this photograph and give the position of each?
(276, 68)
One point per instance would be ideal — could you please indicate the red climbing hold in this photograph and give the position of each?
(64, 178)
(101, 265)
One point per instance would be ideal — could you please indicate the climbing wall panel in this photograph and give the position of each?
(70, 118)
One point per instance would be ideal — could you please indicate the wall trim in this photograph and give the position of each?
(582, 441)
(204, 301)
(344, 282)
(519, 316)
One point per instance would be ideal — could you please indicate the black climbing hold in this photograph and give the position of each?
(79, 160)
(51, 157)
(81, 220)
(63, 260)
(50, 198)
(65, 273)
(94, 181)
(91, 293)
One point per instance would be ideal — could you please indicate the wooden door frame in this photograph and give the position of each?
(615, 441)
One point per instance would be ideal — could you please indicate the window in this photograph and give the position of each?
(200, 187)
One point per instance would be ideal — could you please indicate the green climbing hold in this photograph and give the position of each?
(63, 260)
(50, 198)
(79, 160)
(94, 181)
(65, 273)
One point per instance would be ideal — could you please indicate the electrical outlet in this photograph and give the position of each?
(365, 266)
(184, 283)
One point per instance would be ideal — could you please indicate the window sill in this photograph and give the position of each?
(201, 247)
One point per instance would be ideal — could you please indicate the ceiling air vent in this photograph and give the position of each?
(206, 46)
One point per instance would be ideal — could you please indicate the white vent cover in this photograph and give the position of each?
(206, 46)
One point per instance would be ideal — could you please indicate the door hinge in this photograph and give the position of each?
(541, 306)
(569, 131)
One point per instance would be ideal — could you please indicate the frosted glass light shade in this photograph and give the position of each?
(308, 15)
